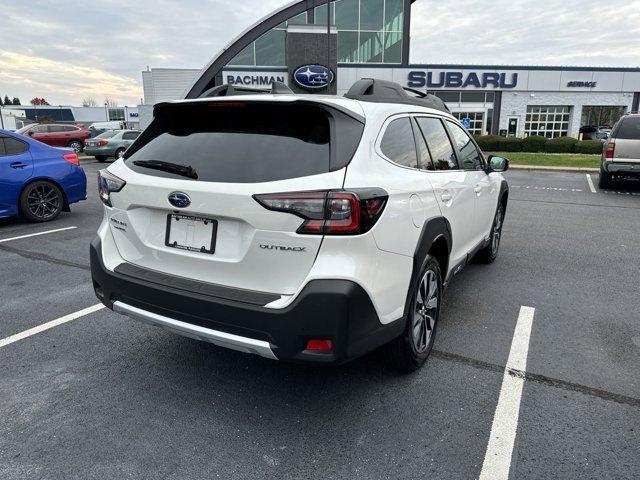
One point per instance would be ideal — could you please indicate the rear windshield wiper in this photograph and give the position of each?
(182, 170)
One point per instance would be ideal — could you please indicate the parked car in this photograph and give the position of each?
(57, 135)
(37, 181)
(298, 227)
(621, 154)
(593, 132)
(111, 143)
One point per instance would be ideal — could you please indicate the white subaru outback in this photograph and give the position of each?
(298, 227)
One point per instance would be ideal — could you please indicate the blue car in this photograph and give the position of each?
(37, 181)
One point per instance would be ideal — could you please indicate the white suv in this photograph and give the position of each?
(297, 227)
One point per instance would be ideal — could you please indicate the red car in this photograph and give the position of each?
(57, 134)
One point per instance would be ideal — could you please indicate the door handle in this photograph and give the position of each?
(17, 165)
(446, 197)
(477, 189)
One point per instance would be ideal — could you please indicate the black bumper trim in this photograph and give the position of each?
(195, 286)
(339, 310)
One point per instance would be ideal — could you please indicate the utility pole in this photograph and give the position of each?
(328, 44)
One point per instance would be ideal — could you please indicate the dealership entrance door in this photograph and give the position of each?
(474, 108)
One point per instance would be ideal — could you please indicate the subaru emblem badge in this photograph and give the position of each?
(179, 199)
(313, 76)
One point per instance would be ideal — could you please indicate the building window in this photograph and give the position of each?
(116, 114)
(476, 121)
(268, 50)
(547, 121)
(369, 31)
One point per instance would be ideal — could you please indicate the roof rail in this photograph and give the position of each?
(228, 90)
(383, 91)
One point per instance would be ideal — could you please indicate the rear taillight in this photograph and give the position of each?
(609, 150)
(108, 183)
(72, 158)
(102, 143)
(333, 212)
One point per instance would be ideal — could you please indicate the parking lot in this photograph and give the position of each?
(101, 396)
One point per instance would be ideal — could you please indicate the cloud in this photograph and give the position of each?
(571, 32)
(52, 78)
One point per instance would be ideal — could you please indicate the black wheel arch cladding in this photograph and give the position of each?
(434, 230)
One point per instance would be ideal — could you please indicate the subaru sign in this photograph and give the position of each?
(457, 79)
(313, 76)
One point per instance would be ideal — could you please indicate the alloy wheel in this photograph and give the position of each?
(497, 231)
(43, 201)
(426, 311)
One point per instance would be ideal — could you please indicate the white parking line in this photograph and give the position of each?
(590, 182)
(53, 323)
(36, 234)
(497, 459)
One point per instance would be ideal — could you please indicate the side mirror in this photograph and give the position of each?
(498, 164)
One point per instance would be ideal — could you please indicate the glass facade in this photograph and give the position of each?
(547, 121)
(369, 31)
(268, 50)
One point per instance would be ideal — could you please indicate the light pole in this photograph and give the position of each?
(106, 112)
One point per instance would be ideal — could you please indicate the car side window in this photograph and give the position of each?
(130, 135)
(56, 128)
(470, 157)
(398, 144)
(435, 135)
(424, 155)
(11, 146)
(39, 129)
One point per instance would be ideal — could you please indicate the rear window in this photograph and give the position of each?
(107, 134)
(244, 142)
(629, 128)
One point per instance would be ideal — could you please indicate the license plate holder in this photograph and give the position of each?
(191, 233)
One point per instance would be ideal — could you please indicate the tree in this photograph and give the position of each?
(16, 101)
(1, 101)
(110, 102)
(39, 101)
(89, 102)
(6, 100)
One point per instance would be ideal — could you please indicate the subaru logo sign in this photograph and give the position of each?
(179, 199)
(313, 76)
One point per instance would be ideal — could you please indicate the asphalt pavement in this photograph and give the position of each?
(105, 397)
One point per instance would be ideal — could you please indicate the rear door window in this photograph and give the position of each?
(11, 146)
(442, 152)
(130, 135)
(397, 143)
(244, 142)
(629, 129)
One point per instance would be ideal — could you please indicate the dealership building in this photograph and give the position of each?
(356, 39)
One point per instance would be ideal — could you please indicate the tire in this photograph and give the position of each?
(77, 145)
(41, 201)
(489, 253)
(119, 153)
(101, 158)
(410, 350)
(605, 181)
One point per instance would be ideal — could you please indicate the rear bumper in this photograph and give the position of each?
(100, 151)
(627, 168)
(339, 310)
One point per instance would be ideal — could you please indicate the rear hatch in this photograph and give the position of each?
(211, 228)
(626, 137)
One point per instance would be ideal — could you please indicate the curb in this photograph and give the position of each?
(541, 168)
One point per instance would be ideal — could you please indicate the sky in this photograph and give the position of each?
(68, 50)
